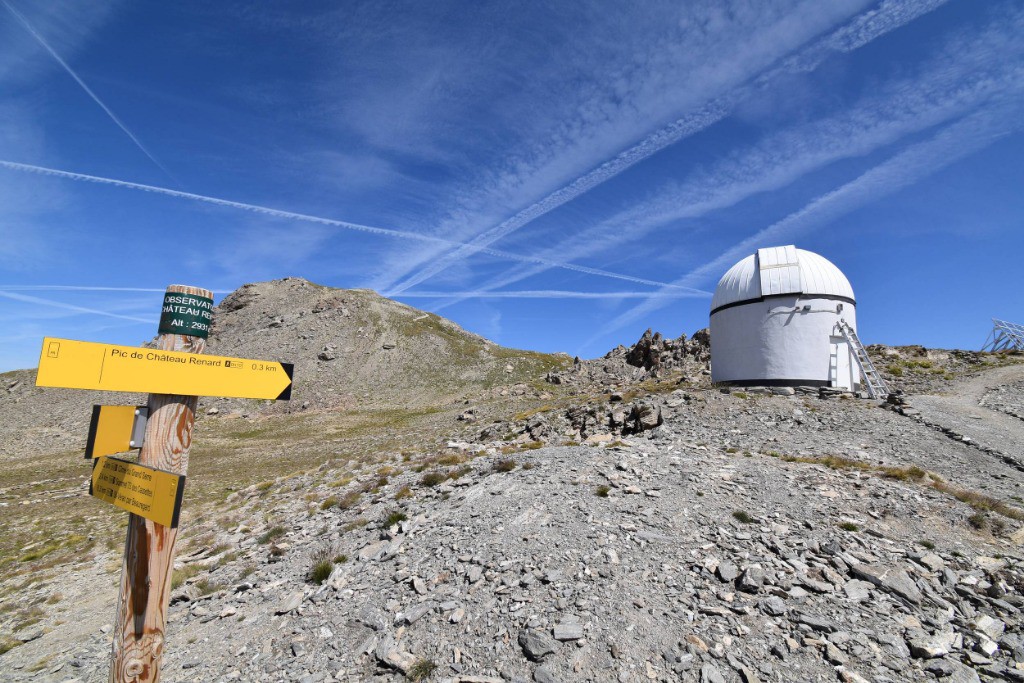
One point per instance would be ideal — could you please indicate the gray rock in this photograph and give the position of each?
(727, 571)
(709, 673)
(857, 590)
(568, 631)
(774, 606)
(415, 613)
(543, 675)
(930, 647)
(536, 645)
(993, 628)
(373, 618)
(290, 603)
(891, 579)
(815, 622)
(751, 580)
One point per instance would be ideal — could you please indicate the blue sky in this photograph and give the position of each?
(554, 176)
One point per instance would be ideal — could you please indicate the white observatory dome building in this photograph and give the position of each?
(775, 322)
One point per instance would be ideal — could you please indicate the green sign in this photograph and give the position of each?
(186, 314)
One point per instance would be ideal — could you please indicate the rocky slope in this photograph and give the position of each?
(614, 519)
(351, 349)
(745, 538)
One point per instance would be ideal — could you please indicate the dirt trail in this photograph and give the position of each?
(960, 409)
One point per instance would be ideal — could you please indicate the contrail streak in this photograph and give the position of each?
(954, 142)
(971, 70)
(277, 213)
(891, 15)
(71, 307)
(88, 288)
(548, 294)
(95, 98)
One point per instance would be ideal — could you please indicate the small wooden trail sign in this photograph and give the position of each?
(86, 365)
(115, 429)
(144, 491)
(175, 374)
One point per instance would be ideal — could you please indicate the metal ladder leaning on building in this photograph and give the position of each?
(877, 387)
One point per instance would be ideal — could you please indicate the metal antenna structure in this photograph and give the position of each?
(1005, 336)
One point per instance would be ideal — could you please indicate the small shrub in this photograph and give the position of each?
(404, 492)
(743, 516)
(329, 502)
(321, 564)
(504, 466)
(739, 394)
(355, 524)
(207, 587)
(849, 526)
(461, 472)
(421, 670)
(394, 518)
(926, 544)
(978, 521)
(272, 534)
(532, 445)
(732, 449)
(602, 490)
(349, 500)
(895, 370)
(528, 465)
(341, 558)
(319, 572)
(432, 478)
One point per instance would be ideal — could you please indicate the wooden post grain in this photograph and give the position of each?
(149, 549)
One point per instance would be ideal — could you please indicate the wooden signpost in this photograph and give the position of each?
(151, 489)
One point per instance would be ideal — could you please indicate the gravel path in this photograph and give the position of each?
(963, 411)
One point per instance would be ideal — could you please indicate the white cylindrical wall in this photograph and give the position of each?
(776, 342)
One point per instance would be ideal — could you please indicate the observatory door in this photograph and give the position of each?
(840, 366)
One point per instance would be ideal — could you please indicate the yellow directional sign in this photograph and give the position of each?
(86, 365)
(150, 493)
(115, 429)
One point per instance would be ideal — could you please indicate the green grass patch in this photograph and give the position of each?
(349, 500)
(272, 534)
(394, 518)
(421, 670)
(40, 552)
(180, 576)
(742, 516)
(433, 478)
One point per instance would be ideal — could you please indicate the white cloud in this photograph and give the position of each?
(553, 294)
(951, 144)
(725, 84)
(967, 72)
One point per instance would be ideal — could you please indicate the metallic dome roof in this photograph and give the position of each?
(781, 270)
